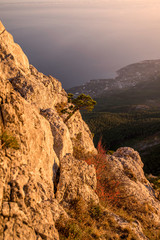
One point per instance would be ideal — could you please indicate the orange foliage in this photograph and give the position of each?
(107, 189)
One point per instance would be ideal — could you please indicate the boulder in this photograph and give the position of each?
(77, 179)
(126, 167)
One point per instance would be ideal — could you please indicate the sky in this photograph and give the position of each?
(118, 3)
(79, 40)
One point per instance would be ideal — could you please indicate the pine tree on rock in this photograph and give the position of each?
(83, 101)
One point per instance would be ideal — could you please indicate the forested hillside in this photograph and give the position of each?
(130, 118)
(142, 96)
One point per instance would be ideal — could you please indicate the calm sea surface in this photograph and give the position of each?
(76, 41)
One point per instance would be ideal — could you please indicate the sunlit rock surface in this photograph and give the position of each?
(42, 176)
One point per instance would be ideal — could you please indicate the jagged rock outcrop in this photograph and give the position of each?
(79, 133)
(42, 91)
(77, 178)
(13, 60)
(38, 89)
(127, 168)
(39, 179)
(62, 140)
(28, 207)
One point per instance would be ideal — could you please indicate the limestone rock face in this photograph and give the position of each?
(26, 180)
(2, 28)
(81, 136)
(28, 207)
(35, 87)
(13, 60)
(126, 166)
(62, 142)
(30, 128)
(77, 178)
(42, 91)
(38, 89)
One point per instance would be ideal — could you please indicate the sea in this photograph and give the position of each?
(76, 41)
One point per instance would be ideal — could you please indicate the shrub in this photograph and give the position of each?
(68, 229)
(95, 211)
(107, 188)
(8, 141)
(59, 107)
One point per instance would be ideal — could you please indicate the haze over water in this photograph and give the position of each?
(76, 41)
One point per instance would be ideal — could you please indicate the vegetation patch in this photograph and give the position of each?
(107, 188)
(89, 222)
(8, 140)
(60, 106)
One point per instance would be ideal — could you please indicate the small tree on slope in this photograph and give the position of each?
(81, 102)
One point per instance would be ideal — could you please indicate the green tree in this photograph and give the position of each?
(83, 101)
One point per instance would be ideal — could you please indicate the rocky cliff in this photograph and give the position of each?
(41, 180)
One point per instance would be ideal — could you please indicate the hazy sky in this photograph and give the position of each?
(79, 40)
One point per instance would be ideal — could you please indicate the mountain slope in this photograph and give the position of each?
(45, 192)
